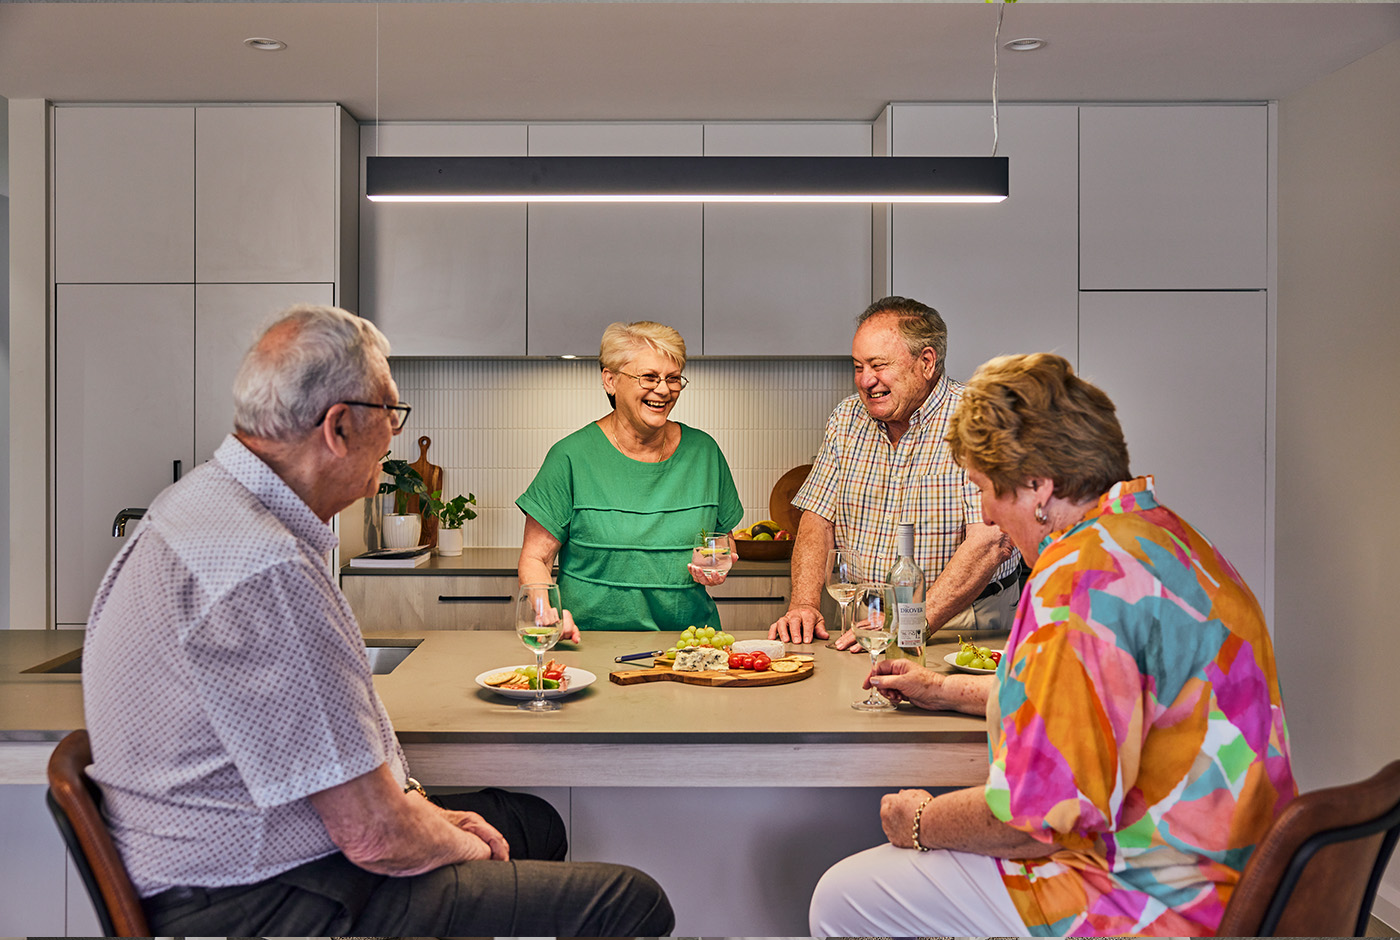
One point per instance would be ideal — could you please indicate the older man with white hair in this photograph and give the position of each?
(252, 779)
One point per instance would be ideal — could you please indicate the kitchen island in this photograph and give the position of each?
(736, 800)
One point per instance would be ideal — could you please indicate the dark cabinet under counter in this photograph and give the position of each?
(476, 591)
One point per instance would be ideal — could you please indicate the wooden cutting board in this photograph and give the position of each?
(734, 678)
(432, 477)
(780, 508)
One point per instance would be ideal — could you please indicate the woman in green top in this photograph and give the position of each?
(620, 502)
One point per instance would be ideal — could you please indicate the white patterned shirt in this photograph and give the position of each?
(865, 485)
(225, 681)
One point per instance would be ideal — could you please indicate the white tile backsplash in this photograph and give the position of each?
(492, 422)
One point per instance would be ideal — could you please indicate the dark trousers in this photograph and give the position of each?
(536, 893)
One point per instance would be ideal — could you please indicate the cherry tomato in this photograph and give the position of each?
(996, 656)
(760, 661)
(740, 661)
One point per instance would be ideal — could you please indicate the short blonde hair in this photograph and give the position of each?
(622, 341)
(1029, 416)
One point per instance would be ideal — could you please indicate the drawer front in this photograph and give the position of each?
(432, 603)
(751, 603)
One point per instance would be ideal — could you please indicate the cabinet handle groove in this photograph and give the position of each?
(465, 598)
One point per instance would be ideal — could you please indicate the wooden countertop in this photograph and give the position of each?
(605, 735)
(502, 562)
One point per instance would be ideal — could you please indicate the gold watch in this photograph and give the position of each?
(413, 786)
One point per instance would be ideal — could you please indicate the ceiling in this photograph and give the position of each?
(674, 60)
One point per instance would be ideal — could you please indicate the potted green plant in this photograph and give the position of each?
(401, 528)
(451, 514)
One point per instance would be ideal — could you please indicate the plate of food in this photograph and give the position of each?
(514, 681)
(978, 660)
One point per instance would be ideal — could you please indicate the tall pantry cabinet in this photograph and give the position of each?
(178, 232)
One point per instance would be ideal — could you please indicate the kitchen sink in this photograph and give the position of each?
(384, 658)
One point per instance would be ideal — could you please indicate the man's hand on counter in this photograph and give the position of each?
(801, 624)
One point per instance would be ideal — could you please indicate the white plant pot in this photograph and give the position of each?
(402, 530)
(449, 541)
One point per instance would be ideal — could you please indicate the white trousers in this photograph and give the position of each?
(892, 892)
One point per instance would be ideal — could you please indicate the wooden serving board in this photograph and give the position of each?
(432, 478)
(734, 678)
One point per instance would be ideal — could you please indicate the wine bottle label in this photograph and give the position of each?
(911, 625)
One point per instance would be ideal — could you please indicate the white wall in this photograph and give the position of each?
(1338, 425)
(4, 357)
(492, 422)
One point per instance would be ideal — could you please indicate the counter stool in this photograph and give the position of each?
(1315, 872)
(76, 804)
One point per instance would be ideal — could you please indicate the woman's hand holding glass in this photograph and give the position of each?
(711, 557)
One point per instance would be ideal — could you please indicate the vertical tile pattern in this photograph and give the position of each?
(492, 422)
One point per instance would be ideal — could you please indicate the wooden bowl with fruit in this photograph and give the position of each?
(763, 541)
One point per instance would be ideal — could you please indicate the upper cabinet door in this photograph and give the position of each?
(123, 195)
(785, 280)
(593, 264)
(1002, 275)
(1174, 197)
(268, 193)
(444, 279)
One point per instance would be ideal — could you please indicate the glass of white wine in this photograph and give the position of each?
(874, 626)
(538, 623)
(843, 579)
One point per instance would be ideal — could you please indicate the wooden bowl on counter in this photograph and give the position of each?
(775, 550)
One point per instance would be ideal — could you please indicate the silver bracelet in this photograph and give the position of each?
(918, 814)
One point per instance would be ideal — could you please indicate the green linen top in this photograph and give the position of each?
(626, 528)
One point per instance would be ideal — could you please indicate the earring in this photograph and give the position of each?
(1040, 515)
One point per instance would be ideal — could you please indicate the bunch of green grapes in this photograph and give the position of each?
(701, 636)
(977, 657)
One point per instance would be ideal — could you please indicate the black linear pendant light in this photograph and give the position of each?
(686, 179)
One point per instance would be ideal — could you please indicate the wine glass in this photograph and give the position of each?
(713, 552)
(843, 579)
(875, 618)
(538, 623)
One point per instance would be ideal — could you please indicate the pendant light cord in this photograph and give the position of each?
(376, 79)
(996, 49)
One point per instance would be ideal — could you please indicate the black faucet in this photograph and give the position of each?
(119, 523)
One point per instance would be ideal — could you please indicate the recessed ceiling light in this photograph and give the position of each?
(265, 45)
(1025, 45)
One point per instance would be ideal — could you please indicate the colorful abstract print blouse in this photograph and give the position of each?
(1137, 723)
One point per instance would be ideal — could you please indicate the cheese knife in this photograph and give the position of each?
(631, 656)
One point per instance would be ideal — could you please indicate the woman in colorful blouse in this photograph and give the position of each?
(620, 502)
(1137, 738)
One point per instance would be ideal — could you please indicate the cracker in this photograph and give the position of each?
(784, 665)
(499, 678)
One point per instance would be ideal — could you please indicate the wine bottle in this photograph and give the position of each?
(908, 583)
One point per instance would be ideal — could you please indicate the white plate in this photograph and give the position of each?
(578, 679)
(951, 659)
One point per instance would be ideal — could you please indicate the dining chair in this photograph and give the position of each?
(76, 804)
(1315, 872)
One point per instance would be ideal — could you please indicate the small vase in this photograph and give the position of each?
(402, 530)
(449, 541)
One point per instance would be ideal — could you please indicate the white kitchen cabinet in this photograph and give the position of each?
(593, 264)
(227, 318)
(1187, 371)
(269, 192)
(32, 890)
(1173, 197)
(785, 280)
(123, 205)
(444, 279)
(751, 603)
(123, 414)
(1004, 275)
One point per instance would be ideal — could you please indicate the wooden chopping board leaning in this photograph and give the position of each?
(432, 478)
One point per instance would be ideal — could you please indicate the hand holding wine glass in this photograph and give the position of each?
(874, 628)
(539, 622)
(711, 557)
(843, 579)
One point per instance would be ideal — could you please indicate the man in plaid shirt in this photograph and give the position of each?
(884, 461)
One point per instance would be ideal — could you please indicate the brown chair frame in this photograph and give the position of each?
(1316, 871)
(76, 804)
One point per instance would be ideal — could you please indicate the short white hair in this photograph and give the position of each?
(285, 386)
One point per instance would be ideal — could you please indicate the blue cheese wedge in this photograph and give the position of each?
(701, 659)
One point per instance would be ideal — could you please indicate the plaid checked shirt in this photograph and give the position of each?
(865, 485)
